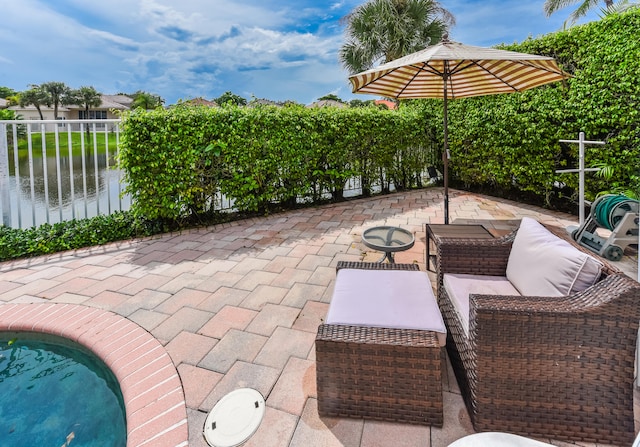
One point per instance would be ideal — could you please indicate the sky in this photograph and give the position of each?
(182, 49)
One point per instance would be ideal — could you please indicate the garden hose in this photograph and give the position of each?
(607, 210)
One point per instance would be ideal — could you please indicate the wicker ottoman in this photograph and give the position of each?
(368, 371)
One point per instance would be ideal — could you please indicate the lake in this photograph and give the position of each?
(77, 187)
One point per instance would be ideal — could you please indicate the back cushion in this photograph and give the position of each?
(542, 264)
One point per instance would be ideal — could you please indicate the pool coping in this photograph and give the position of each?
(153, 396)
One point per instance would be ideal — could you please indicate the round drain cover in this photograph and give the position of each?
(234, 418)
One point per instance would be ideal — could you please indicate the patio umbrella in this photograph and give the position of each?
(454, 70)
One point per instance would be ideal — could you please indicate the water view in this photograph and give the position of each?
(55, 184)
(43, 190)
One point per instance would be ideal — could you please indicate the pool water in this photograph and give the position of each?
(56, 393)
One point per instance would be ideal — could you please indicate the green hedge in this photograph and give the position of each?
(176, 160)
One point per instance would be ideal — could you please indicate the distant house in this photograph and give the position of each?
(391, 105)
(3, 103)
(255, 102)
(199, 102)
(105, 110)
(328, 103)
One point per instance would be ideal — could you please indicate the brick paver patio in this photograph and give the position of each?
(238, 304)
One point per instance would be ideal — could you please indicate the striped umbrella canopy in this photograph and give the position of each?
(454, 70)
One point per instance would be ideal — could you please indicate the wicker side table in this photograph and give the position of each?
(436, 232)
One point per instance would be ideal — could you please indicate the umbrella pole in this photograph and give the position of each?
(445, 153)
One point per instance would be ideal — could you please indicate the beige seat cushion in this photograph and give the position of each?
(386, 298)
(542, 264)
(459, 287)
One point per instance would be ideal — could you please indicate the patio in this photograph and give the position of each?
(238, 305)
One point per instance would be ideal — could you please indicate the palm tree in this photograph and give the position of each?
(384, 30)
(59, 93)
(618, 8)
(37, 97)
(146, 101)
(87, 97)
(551, 6)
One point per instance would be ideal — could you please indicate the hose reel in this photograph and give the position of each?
(616, 213)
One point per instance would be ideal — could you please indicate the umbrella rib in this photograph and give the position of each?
(419, 69)
(431, 70)
(366, 84)
(493, 75)
(521, 63)
(540, 67)
(457, 69)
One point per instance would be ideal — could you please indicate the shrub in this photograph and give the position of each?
(73, 234)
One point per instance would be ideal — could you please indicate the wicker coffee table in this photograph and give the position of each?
(381, 373)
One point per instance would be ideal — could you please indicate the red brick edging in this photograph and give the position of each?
(151, 387)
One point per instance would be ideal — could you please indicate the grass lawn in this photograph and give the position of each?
(76, 143)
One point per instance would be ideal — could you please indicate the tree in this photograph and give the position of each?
(146, 101)
(5, 92)
(36, 97)
(384, 30)
(551, 6)
(330, 97)
(230, 98)
(86, 97)
(618, 8)
(59, 93)
(13, 100)
(360, 103)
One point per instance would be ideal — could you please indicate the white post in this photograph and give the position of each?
(4, 176)
(581, 170)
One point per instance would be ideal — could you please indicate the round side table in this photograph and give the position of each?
(388, 239)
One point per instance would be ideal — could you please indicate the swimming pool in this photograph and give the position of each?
(56, 392)
(154, 400)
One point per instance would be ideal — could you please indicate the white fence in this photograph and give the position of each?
(52, 171)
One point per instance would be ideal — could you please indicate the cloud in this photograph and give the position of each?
(153, 45)
(176, 33)
(111, 41)
(233, 32)
(275, 49)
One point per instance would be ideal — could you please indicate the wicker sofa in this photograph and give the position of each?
(559, 367)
